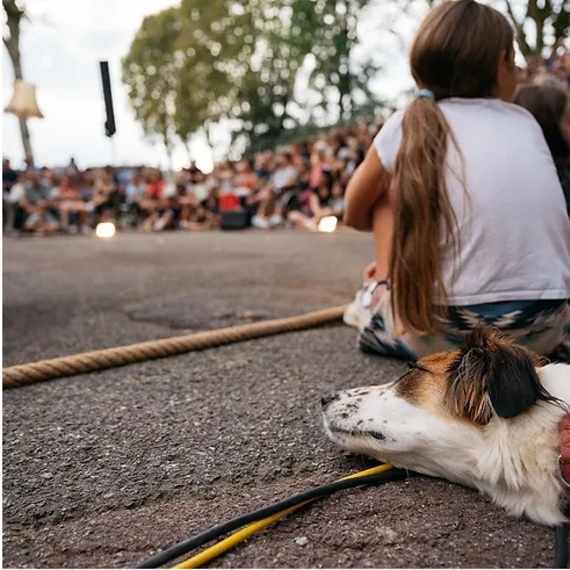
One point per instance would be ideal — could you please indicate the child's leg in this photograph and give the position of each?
(375, 277)
(383, 228)
(64, 215)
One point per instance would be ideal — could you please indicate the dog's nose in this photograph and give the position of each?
(326, 400)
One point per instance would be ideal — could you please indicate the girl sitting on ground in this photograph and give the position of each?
(450, 190)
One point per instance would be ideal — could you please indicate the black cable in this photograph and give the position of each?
(217, 531)
(560, 547)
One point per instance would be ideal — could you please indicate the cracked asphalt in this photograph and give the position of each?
(105, 469)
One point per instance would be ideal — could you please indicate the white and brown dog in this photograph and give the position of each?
(487, 415)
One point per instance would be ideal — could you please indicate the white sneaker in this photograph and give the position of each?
(259, 223)
(359, 312)
(159, 225)
(276, 220)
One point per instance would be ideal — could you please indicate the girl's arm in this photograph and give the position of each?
(369, 183)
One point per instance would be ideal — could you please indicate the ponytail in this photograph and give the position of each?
(423, 218)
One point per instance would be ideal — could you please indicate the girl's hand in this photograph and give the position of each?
(369, 273)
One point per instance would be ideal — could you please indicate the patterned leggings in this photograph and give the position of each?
(542, 326)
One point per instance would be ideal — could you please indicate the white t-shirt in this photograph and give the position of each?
(512, 223)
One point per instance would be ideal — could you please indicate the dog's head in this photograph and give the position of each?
(434, 416)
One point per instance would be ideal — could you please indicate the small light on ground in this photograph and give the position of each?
(105, 230)
(328, 224)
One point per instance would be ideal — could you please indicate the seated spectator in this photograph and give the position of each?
(9, 177)
(16, 213)
(263, 166)
(167, 216)
(198, 188)
(154, 186)
(34, 204)
(135, 192)
(313, 205)
(245, 181)
(226, 174)
(106, 198)
(336, 201)
(284, 178)
(318, 163)
(550, 106)
(71, 203)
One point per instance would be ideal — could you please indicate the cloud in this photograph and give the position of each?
(61, 57)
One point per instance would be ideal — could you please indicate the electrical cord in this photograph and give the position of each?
(376, 475)
(560, 547)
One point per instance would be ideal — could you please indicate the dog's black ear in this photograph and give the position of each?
(490, 373)
(514, 385)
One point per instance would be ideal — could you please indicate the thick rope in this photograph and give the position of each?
(15, 376)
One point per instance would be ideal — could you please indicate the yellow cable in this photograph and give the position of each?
(239, 536)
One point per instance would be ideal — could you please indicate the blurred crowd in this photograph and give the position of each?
(548, 71)
(294, 186)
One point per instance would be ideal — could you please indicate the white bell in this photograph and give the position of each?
(23, 103)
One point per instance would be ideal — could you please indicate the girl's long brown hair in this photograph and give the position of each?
(455, 54)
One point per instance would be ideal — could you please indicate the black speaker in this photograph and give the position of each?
(234, 219)
(110, 129)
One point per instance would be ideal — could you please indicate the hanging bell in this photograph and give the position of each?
(23, 103)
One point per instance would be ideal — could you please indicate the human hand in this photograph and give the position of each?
(369, 273)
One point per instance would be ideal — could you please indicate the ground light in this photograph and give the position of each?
(328, 224)
(105, 230)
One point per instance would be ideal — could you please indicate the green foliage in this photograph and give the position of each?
(548, 22)
(150, 70)
(216, 45)
(194, 65)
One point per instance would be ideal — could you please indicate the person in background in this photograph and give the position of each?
(35, 204)
(263, 162)
(105, 197)
(9, 178)
(70, 204)
(135, 192)
(336, 202)
(550, 106)
(284, 178)
(318, 163)
(313, 205)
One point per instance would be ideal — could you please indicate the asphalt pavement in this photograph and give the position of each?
(105, 469)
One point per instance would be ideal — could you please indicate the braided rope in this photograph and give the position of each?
(15, 376)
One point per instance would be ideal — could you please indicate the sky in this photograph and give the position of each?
(61, 50)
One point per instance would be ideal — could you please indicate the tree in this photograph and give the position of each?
(267, 88)
(150, 70)
(539, 23)
(333, 25)
(215, 46)
(11, 39)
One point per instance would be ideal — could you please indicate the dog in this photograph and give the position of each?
(486, 415)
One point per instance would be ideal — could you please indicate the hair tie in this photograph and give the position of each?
(426, 94)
